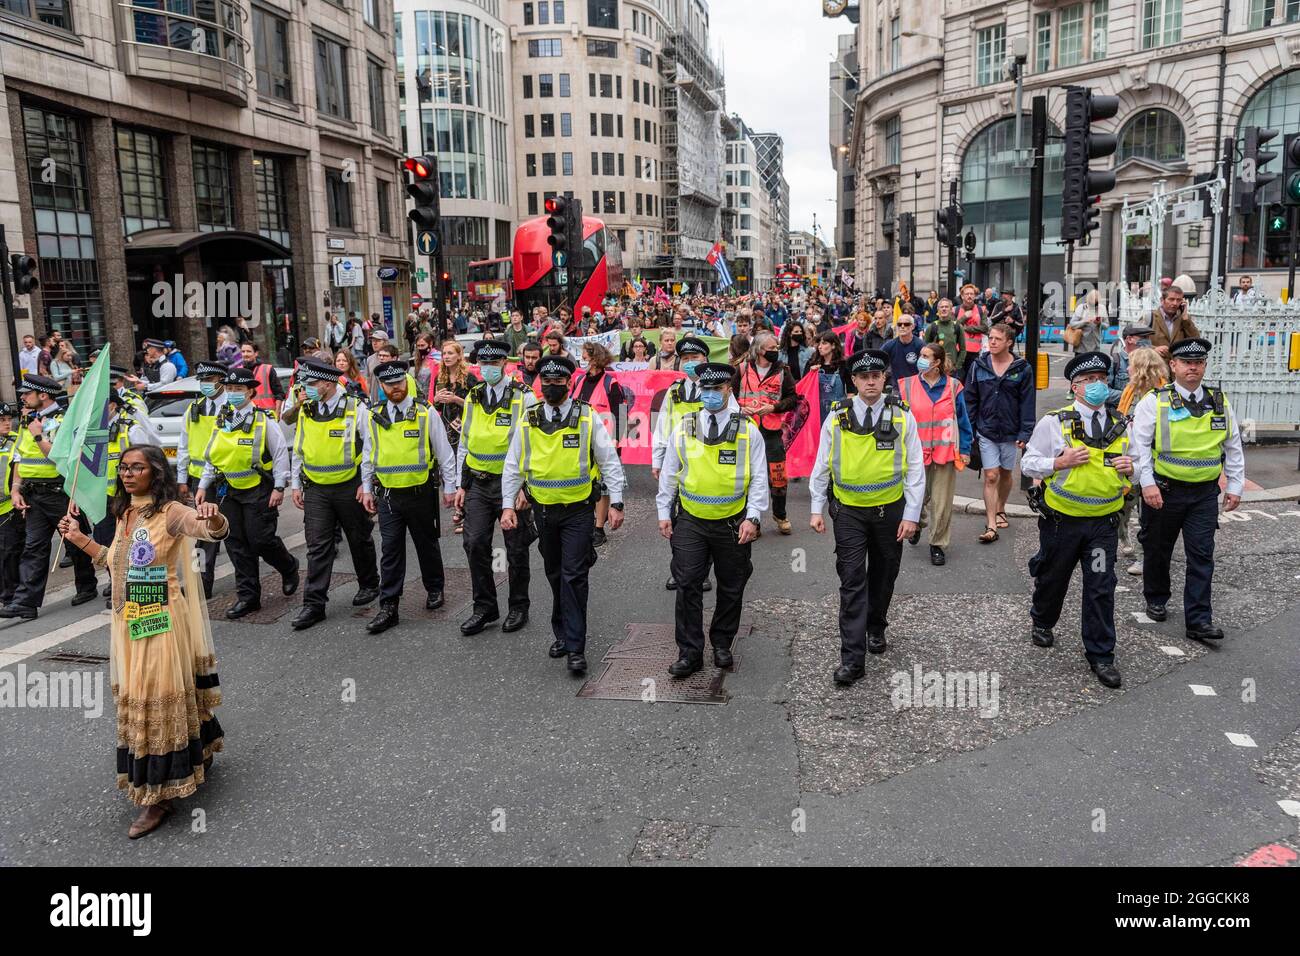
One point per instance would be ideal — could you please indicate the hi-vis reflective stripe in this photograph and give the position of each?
(584, 459)
(349, 440)
(837, 472)
(742, 465)
(1188, 462)
(1080, 499)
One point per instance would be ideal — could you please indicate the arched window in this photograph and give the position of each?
(1153, 134)
(1259, 241)
(995, 193)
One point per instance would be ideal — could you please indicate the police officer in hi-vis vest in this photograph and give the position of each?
(493, 410)
(560, 453)
(715, 469)
(871, 466)
(37, 490)
(246, 466)
(123, 433)
(199, 422)
(331, 433)
(1184, 437)
(1081, 452)
(408, 456)
(119, 378)
(13, 529)
(683, 399)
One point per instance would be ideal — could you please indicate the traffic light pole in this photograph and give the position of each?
(1033, 302)
(11, 321)
(1293, 221)
(952, 245)
(1225, 212)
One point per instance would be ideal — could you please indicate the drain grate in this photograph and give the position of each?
(636, 668)
(71, 657)
(274, 604)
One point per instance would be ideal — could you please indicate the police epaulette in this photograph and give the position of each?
(1067, 414)
(841, 404)
(895, 400)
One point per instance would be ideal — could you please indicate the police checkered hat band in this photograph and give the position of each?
(211, 368)
(314, 370)
(692, 346)
(490, 350)
(39, 383)
(154, 344)
(390, 372)
(556, 366)
(118, 371)
(868, 360)
(7, 410)
(713, 374)
(241, 376)
(1086, 362)
(1190, 349)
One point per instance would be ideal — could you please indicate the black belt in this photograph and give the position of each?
(40, 483)
(425, 488)
(1165, 482)
(483, 475)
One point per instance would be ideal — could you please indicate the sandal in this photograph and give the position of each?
(1000, 519)
(989, 536)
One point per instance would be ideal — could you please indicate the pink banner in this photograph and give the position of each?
(646, 391)
(801, 431)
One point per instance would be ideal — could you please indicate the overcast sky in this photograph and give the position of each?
(777, 54)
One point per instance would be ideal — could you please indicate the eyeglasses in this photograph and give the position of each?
(132, 469)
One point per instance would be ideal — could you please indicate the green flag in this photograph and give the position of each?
(80, 446)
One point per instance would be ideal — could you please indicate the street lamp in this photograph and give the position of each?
(927, 36)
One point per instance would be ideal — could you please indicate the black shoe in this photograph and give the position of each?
(65, 561)
(1042, 636)
(515, 620)
(477, 622)
(434, 601)
(577, 664)
(1205, 632)
(937, 557)
(242, 609)
(708, 585)
(108, 590)
(876, 643)
(598, 537)
(915, 539)
(1157, 612)
(289, 582)
(846, 676)
(18, 611)
(368, 596)
(1107, 673)
(386, 618)
(308, 616)
(672, 583)
(558, 649)
(685, 667)
(722, 657)
(81, 597)
(108, 603)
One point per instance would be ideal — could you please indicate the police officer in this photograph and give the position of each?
(246, 466)
(198, 424)
(1184, 437)
(38, 491)
(332, 431)
(715, 466)
(13, 528)
(493, 410)
(119, 378)
(1081, 453)
(870, 457)
(408, 455)
(683, 399)
(560, 453)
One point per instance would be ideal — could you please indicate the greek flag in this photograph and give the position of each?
(719, 262)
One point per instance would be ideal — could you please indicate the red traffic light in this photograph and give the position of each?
(446, 276)
(556, 204)
(421, 167)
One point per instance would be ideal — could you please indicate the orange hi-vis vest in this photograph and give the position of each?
(756, 392)
(974, 340)
(936, 421)
(263, 397)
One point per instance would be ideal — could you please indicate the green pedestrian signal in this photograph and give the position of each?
(1277, 223)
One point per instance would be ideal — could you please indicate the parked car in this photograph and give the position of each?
(168, 403)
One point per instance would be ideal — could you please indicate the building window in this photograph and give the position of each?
(644, 57)
(546, 86)
(528, 14)
(995, 193)
(532, 204)
(530, 127)
(211, 28)
(893, 141)
(528, 87)
(566, 164)
(990, 54)
(1069, 36)
(548, 124)
(895, 43)
(332, 78)
(606, 86)
(1262, 244)
(602, 14)
(457, 136)
(607, 164)
(544, 12)
(338, 198)
(370, 12)
(272, 204)
(378, 115)
(1162, 22)
(271, 53)
(608, 48)
(50, 12)
(545, 48)
(609, 204)
(382, 192)
(1156, 135)
(566, 124)
(214, 199)
(530, 164)
(548, 164)
(1100, 28)
(144, 188)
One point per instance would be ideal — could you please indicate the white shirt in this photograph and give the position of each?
(759, 497)
(439, 446)
(275, 444)
(1143, 431)
(1047, 441)
(48, 430)
(493, 395)
(30, 360)
(659, 441)
(210, 407)
(913, 480)
(611, 469)
(329, 407)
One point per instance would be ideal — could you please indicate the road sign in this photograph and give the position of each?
(1185, 212)
(348, 271)
(417, 300)
(421, 274)
(427, 243)
(561, 259)
(1137, 226)
(561, 276)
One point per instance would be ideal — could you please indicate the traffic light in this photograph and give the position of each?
(1081, 183)
(564, 220)
(1251, 179)
(905, 228)
(1290, 170)
(948, 225)
(24, 272)
(426, 202)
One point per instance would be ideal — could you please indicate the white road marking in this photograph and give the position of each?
(1120, 587)
(1241, 740)
(1173, 651)
(1290, 807)
(1141, 617)
(1202, 690)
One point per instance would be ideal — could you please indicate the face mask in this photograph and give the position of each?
(1094, 393)
(771, 357)
(236, 399)
(690, 367)
(924, 364)
(312, 393)
(555, 394)
(208, 389)
(491, 373)
(712, 399)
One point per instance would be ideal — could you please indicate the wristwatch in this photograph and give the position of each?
(616, 505)
(755, 522)
(281, 490)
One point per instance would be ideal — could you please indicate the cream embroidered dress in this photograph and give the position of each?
(162, 666)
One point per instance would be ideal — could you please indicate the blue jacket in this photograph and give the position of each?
(1001, 409)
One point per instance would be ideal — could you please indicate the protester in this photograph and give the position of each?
(1147, 372)
(947, 332)
(666, 357)
(1134, 337)
(1000, 398)
(830, 373)
(795, 350)
(1089, 318)
(1170, 323)
(903, 349)
(767, 392)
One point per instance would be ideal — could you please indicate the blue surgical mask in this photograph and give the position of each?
(712, 399)
(690, 367)
(236, 399)
(491, 373)
(1095, 393)
(923, 364)
(208, 389)
(312, 393)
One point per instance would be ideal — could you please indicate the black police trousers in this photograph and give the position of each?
(326, 508)
(1191, 510)
(46, 505)
(482, 509)
(252, 537)
(564, 537)
(867, 557)
(413, 510)
(697, 544)
(13, 533)
(1064, 543)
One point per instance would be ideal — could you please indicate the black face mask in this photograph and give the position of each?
(771, 357)
(796, 340)
(555, 394)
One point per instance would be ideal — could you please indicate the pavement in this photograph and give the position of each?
(963, 745)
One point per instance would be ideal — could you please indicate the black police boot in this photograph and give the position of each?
(515, 619)
(242, 609)
(386, 618)
(722, 657)
(937, 557)
(108, 590)
(1043, 636)
(846, 676)
(18, 611)
(685, 666)
(1107, 673)
(309, 615)
(81, 597)
(876, 643)
(365, 597)
(1204, 632)
(65, 561)
(672, 583)
(577, 664)
(558, 649)
(708, 585)
(434, 601)
(289, 582)
(478, 622)
(1157, 612)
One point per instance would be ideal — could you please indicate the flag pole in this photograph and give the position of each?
(72, 497)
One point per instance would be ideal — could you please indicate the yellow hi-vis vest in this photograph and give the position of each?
(713, 481)
(7, 446)
(32, 461)
(119, 440)
(679, 408)
(198, 432)
(485, 432)
(401, 448)
(1189, 447)
(558, 467)
(867, 469)
(1096, 488)
(241, 456)
(329, 448)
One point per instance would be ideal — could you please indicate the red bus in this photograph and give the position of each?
(599, 273)
(489, 279)
(786, 278)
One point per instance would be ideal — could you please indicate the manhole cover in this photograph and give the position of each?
(71, 657)
(274, 604)
(636, 668)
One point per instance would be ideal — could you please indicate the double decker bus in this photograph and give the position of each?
(600, 271)
(786, 278)
(490, 279)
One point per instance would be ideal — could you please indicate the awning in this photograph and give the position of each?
(230, 245)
